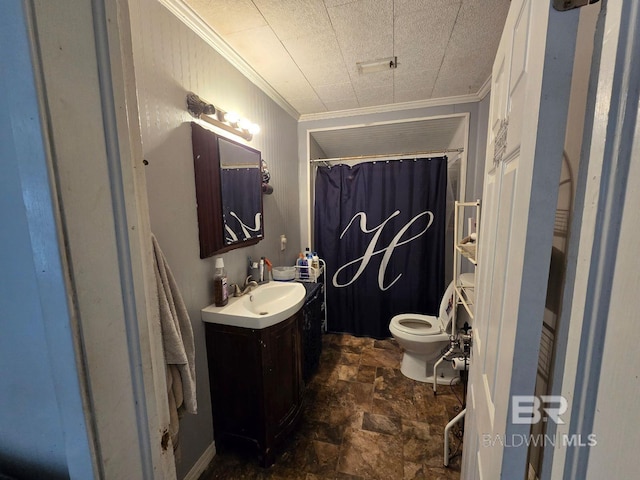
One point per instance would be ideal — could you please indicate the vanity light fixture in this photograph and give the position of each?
(228, 121)
(380, 65)
(231, 118)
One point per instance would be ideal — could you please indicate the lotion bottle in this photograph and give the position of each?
(220, 293)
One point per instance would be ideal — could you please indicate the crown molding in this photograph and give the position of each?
(187, 16)
(392, 107)
(485, 88)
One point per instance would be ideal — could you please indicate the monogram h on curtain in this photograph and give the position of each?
(373, 249)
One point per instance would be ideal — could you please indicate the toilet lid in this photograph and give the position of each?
(417, 324)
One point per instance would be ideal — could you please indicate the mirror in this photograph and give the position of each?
(241, 183)
(228, 192)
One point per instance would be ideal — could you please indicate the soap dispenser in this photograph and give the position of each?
(220, 294)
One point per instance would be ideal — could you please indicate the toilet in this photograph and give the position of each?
(423, 337)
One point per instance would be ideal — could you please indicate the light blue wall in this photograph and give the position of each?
(42, 425)
(474, 187)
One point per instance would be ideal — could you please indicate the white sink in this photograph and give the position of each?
(263, 307)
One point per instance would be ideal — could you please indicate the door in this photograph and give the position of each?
(529, 99)
(283, 374)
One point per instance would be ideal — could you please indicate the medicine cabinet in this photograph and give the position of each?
(228, 180)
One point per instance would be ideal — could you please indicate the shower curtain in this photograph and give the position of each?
(380, 227)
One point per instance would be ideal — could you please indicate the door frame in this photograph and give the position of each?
(532, 99)
(82, 63)
(611, 128)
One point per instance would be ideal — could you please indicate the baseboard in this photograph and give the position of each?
(202, 463)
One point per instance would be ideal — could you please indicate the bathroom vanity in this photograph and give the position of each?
(255, 374)
(256, 383)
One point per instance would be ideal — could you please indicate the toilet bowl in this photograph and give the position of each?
(423, 337)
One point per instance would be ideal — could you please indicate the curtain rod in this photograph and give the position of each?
(238, 166)
(392, 156)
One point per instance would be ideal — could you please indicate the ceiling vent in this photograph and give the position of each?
(381, 65)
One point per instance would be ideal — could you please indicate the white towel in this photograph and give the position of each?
(177, 340)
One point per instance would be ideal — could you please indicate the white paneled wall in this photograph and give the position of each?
(171, 60)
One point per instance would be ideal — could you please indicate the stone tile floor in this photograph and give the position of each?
(362, 420)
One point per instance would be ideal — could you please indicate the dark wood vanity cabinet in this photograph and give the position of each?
(256, 383)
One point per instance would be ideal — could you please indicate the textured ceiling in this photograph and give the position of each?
(307, 50)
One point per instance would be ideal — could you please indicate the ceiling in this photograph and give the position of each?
(397, 138)
(307, 50)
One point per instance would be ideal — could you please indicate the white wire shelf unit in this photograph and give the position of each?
(308, 273)
(466, 247)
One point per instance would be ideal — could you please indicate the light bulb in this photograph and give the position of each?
(244, 124)
(254, 129)
(231, 117)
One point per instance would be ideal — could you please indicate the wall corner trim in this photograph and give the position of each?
(202, 463)
(485, 88)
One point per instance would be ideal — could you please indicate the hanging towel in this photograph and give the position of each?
(177, 340)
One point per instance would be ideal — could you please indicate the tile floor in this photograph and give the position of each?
(362, 420)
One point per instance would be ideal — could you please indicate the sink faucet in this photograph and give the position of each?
(250, 283)
(246, 288)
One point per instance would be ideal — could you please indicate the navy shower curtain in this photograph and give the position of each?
(241, 193)
(380, 227)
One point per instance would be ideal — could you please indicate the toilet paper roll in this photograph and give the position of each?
(460, 363)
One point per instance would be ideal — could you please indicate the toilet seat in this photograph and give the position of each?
(416, 324)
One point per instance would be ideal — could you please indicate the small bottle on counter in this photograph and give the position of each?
(309, 258)
(303, 267)
(220, 293)
(315, 262)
